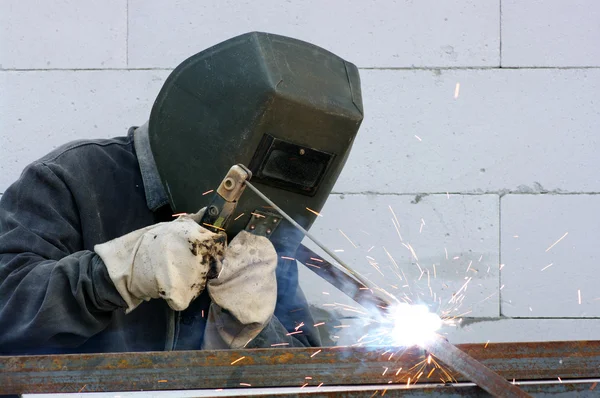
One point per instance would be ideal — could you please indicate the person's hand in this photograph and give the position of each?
(170, 260)
(245, 291)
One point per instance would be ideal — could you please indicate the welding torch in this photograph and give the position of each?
(339, 274)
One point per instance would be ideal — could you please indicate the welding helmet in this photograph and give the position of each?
(286, 109)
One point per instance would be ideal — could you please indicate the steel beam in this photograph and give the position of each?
(333, 366)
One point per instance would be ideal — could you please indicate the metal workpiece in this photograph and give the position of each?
(478, 373)
(291, 367)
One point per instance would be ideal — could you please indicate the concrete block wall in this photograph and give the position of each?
(480, 135)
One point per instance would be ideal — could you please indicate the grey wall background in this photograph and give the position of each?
(481, 134)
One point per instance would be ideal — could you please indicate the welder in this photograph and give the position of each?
(102, 248)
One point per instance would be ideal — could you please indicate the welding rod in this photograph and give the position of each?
(475, 371)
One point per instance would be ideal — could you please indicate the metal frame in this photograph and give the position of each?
(288, 367)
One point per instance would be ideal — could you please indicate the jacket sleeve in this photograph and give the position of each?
(53, 294)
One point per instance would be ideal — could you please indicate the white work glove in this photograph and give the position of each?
(244, 294)
(170, 260)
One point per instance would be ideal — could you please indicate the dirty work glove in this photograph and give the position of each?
(244, 294)
(170, 260)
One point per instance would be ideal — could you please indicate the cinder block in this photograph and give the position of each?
(390, 34)
(550, 33)
(523, 330)
(550, 251)
(63, 34)
(441, 245)
(44, 109)
(508, 130)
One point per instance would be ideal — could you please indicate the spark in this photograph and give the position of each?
(459, 290)
(398, 372)
(346, 236)
(501, 266)
(327, 293)
(579, 295)
(448, 195)
(384, 372)
(469, 267)
(237, 360)
(308, 378)
(422, 224)
(304, 385)
(446, 250)
(397, 224)
(429, 359)
(292, 333)
(279, 344)
(412, 251)
(554, 244)
(486, 344)
(434, 274)
(287, 258)
(339, 250)
(319, 385)
(419, 138)
(429, 284)
(299, 326)
(317, 259)
(202, 313)
(463, 314)
(547, 266)
(372, 247)
(258, 215)
(314, 212)
(391, 258)
(207, 192)
(163, 381)
(501, 287)
(235, 219)
(81, 389)
(408, 382)
(456, 90)
(480, 257)
(179, 214)
(319, 324)
(213, 226)
(312, 265)
(222, 268)
(245, 384)
(559, 379)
